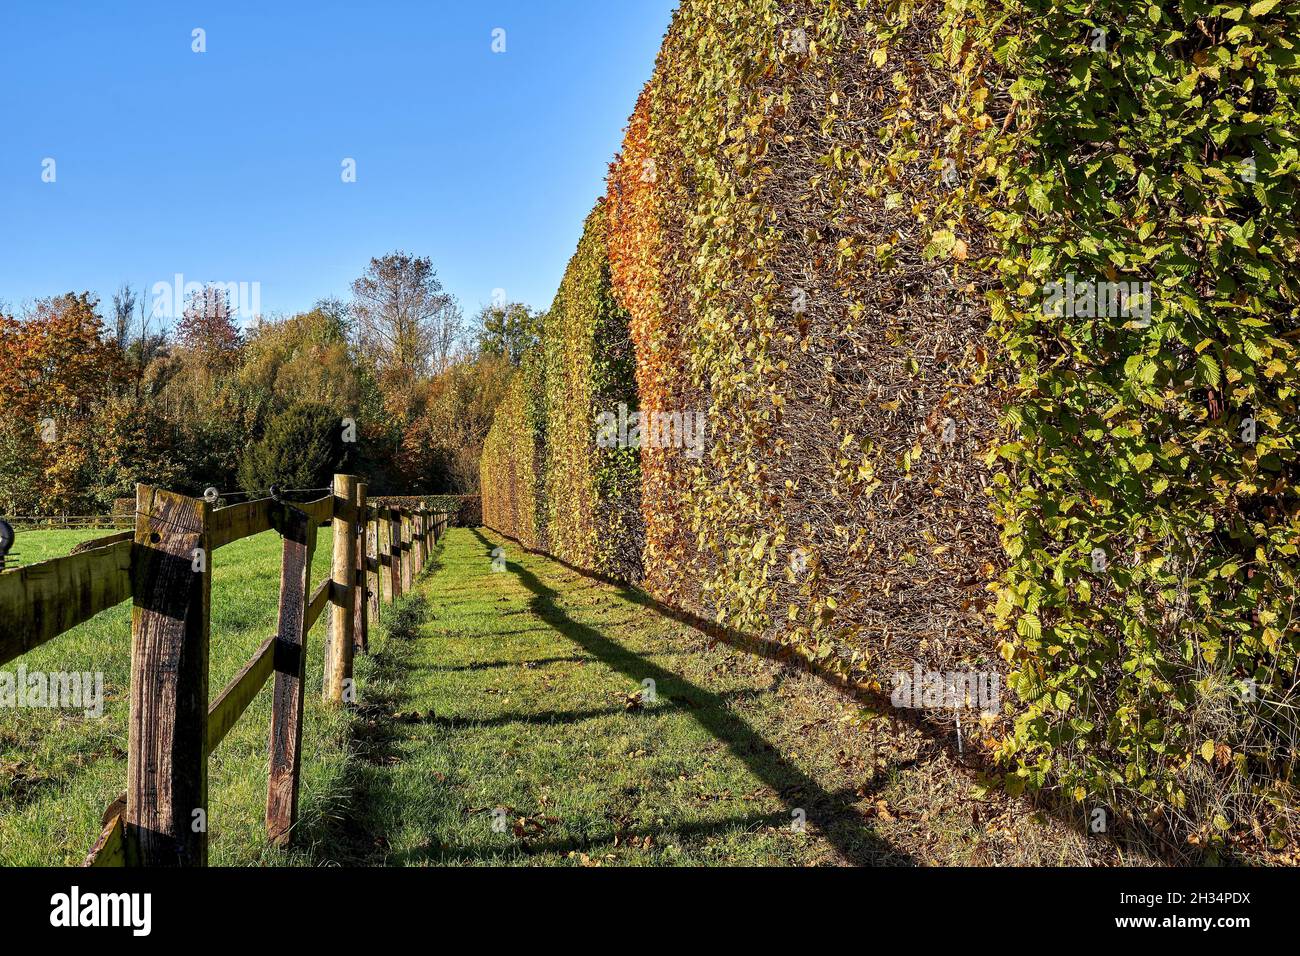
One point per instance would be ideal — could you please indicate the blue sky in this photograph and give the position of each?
(226, 165)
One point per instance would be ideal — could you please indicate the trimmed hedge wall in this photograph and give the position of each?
(545, 479)
(842, 230)
(514, 459)
(1147, 494)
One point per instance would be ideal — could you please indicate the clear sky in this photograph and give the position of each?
(226, 166)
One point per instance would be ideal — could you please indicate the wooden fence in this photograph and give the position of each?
(164, 566)
(79, 522)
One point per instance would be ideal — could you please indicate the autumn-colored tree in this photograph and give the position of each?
(209, 333)
(60, 369)
(445, 443)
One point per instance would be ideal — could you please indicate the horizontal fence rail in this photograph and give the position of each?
(164, 566)
(49, 522)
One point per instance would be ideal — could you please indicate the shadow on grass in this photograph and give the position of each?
(841, 824)
(940, 734)
(549, 717)
(535, 662)
(512, 847)
(348, 831)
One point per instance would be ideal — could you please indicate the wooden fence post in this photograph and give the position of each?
(394, 554)
(414, 524)
(421, 529)
(338, 657)
(374, 583)
(408, 545)
(290, 662)
(416, 546)
(361, 616)
(167, 760)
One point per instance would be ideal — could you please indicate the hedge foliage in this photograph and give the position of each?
(764, 239)
(837, 228)
(545, 480)
(647, 200)
(513, 470)
(1155, 142)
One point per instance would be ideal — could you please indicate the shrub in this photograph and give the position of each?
(303, 448)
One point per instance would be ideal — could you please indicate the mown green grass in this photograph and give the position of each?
(516, 690)
(520, 690)
(59, 770)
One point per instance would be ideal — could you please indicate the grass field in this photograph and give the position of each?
(489, 695)
(520, 697)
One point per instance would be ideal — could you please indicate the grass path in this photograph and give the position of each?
(523, 690)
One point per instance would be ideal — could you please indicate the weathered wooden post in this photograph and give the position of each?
(167, 762)
(290, 662)
(338, 657)
(408, 544)
(417, 546)
(394, 554)
(361, 615)
(374, 582)
(421, 530)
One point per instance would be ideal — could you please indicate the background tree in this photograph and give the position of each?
(303, 448)
(137, 444)
(404, 318)
(455, 423)
(216, 405)
(508, 330)
(307, 354)
(124, 300)
(209, 333)
(60, 367)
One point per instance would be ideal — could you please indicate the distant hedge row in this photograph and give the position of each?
(992, 308)
(544, 478)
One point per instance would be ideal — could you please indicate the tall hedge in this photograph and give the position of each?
(766, 241)
(546, 479)
(1154, 142)
(841, 228)
(513, 473)
(647, 203)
